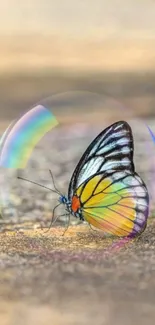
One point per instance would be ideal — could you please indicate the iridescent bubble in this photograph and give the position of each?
(18, 142)
(81, 115)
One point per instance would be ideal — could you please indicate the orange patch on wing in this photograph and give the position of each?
(128, 202)
(125, 211)
(75, 203)
(105, 226)
(112, 217)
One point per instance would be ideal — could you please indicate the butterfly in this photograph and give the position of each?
(104, 189)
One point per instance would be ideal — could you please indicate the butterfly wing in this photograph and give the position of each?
(116, 202)
(111, 150)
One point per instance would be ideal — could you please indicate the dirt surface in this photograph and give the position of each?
(79, 278)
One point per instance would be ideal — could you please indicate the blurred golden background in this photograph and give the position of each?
(55, 46)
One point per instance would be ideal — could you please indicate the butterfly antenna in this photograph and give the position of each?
(27, 180)
(54, 182)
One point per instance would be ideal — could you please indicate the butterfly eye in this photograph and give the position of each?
(62, 199)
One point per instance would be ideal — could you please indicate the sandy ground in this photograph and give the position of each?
(79, 278)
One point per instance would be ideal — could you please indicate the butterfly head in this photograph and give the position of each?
(63, 199)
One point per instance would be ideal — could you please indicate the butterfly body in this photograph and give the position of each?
(73, 207)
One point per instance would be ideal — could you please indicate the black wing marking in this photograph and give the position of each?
(111, 150)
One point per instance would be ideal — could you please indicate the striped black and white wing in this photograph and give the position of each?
(111, 150)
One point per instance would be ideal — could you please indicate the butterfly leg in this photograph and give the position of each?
(67, 224)
(53, 220)
(94, 230)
